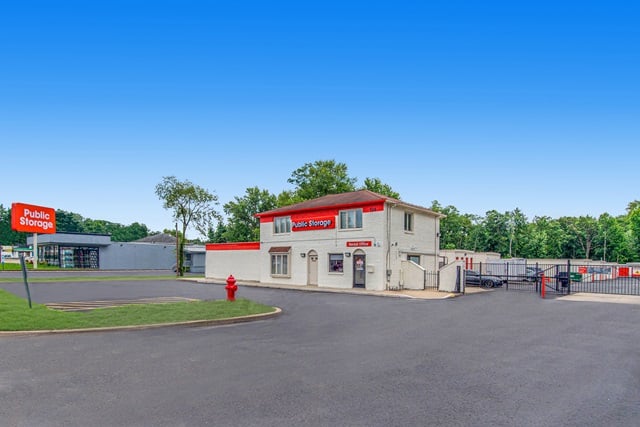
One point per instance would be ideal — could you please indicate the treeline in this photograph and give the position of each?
(74, 223)
(512, 235)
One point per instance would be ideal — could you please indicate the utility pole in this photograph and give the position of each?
(178, 266)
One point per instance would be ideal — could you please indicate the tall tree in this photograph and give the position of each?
(242, 225)
(69, 222)
(217, 235)
(455, 229)
(377, 186)
(320, 178)
(610, 243)
(581, 232)
(191, 205)
(517, 226)
(633, 221)
(495, 236)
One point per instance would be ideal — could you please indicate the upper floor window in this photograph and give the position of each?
(408, 221)
(282, 225)
(351, 219)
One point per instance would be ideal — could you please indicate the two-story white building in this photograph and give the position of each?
(359, 239)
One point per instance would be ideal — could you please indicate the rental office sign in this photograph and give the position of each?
(33, 219)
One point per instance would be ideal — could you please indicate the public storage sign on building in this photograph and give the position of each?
(312, 223)
(33, 219)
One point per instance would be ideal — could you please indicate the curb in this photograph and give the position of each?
(210, 322)
(384, 294)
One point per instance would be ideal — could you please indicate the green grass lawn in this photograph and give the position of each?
(33, 279)
(15, 266)
(15, 314)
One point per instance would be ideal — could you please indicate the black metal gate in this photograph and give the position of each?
(555, 279)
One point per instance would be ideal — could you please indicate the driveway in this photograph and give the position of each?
(488, 359)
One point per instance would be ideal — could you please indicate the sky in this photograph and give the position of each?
(479, 105)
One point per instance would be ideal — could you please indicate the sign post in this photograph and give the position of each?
(35, 251)
(24, 277)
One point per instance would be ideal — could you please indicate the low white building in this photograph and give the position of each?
(357, 239)
(470, 258)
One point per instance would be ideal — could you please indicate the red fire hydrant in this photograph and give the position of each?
(231, 288)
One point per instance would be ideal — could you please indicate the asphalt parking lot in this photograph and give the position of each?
(498, 358)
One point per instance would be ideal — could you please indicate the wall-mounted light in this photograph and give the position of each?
(347, 254)
(302, 255)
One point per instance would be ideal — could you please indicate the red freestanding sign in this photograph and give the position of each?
(33, 219)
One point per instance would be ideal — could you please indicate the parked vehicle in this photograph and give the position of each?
(473, 278)
(532, 274)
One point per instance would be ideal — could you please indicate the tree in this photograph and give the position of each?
(581, 232)
(610, 243)
(129, 233)
(7, 235)
(517, 225)
(69, 222)
(217, 235)
(375, 185)
(242, 225)
(320, 178)
(98, 226)
(633, 206)
(288, 198)
(633, 221)
(542, 238)
(455, 229)
(191, 205)
(495, 236)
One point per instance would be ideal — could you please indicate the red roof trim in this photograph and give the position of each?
(367, 207)
(235, 246)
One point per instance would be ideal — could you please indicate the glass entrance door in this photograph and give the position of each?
(359, 270)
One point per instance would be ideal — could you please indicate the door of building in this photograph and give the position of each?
(312, 268)
(359, 270)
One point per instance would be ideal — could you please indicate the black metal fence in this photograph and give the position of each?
(431, 279)
(556, 278)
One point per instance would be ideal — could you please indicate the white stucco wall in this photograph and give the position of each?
(325, 242)
(412, 276)
(449, 275)
(422, 241)
(242, 264)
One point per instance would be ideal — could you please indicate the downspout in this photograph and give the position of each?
(437, 250)
(437, 244)
(388, 226)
